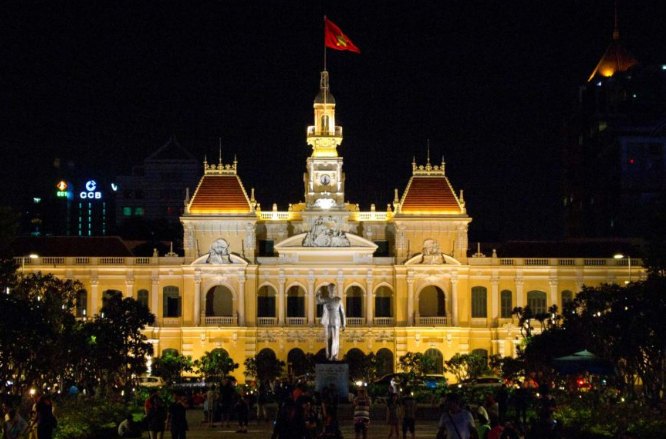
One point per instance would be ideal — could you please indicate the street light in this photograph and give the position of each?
(30, 256)
(621, 256)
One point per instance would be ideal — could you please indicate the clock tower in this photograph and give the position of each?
(324, 179)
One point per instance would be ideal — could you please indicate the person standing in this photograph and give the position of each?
(361, 413)
(242, 409)
(155, 416)
(46, 422)
(392, 416)
(409, 414)
(15, 426)
(455, 421)
(177, 418)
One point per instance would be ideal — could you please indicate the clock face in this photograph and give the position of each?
(325, 179)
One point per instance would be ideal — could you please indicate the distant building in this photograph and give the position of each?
(157, 189)
(615, 153)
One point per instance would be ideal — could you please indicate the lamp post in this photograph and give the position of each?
(30, 256)
(621, 256)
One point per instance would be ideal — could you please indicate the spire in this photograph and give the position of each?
(324, 136)
(219, 161)
(616, 58)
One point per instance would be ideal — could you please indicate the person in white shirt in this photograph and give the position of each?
(456, 421)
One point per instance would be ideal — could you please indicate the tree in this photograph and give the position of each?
(362, 367)
(35, 318)
(467, 366)
(171, 366)
(264, 366)
(116, 341)
(415, 364)
(215, 365)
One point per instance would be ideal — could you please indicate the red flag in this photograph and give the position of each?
(335, 39)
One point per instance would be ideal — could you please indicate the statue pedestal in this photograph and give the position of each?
(333, 372)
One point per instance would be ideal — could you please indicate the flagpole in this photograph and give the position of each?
(324, 43)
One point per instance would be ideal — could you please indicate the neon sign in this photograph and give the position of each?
(91, 193)
(62, 185)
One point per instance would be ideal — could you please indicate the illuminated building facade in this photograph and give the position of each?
(249, 277)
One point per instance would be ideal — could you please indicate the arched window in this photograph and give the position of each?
(438, 360)
(354, 302)
(81, 303)
(219, 302)
(383, 302)
(506, 304)
(355, 359)
(536, 300)
(566, 297)
(384, 362)
(432, 302)
(296, 301)
(171, 302)
(481, 353)
(142, 297)
(296, 362)
(479, 302)
(223, 352)
(266, 302)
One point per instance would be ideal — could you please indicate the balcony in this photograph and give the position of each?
(266, 321)
(431, 321)
(220, 320)
(384, 321)
(171, 321)
(297, 321)
(355, 321)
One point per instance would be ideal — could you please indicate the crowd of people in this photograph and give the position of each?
(39, 424)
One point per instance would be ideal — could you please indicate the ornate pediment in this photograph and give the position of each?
(292, 251)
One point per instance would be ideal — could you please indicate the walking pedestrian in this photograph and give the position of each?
(177, 418)
(392, 415)
(408, 404)
(361, 405)
(155, 416)
(456, 422)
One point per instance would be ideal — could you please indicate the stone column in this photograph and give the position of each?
(197, 299)
(368, 299)
(241, 300)
(454, 298)
(552, 282)
(494, 292)
(410, 298)
(520, 295)
(311, 299)
(94, 297)
(155, 296)
(281, 281)
(129, 287)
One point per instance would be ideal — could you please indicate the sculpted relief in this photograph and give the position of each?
(325, 232)
(219, 252)
(431, 252)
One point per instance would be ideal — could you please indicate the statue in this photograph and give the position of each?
(219, 252)
(431, 252)
(332, 318)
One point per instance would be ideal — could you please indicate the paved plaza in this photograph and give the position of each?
(426, 425)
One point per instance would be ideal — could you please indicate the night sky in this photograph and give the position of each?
(101, 85)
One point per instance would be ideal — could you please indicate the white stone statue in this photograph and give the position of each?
(219, 252)
(332, 318)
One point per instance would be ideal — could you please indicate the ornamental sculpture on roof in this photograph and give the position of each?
(431, 252)
(219, 252)
(325, 233)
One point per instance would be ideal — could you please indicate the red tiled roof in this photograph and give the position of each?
(220, 194)
(430, 195)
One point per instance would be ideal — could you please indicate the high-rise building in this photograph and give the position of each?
(615, 152)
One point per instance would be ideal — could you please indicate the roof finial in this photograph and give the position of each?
(428, 143)
(220, 157)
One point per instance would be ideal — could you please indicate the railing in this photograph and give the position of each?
(266, 321)
(384, 321)
(82, 261)
(220, 320)
(87, 260)
(431, 321)
(53, 260)
(296, 321)
(370, 216)
(337, 132)
(112, 261)
(566, 262)
(506, 261)
(171, 321)
(142, 261)
(535, 261)
(355, 321)
(562, 262)
(595, 262)
(275, 215)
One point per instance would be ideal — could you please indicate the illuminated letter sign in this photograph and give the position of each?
(90, 193)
